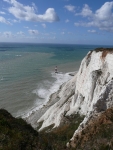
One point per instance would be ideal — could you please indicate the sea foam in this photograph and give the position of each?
(45, 89)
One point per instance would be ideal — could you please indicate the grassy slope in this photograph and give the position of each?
(16, 134)
(57, 138)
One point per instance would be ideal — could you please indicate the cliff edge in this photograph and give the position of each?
(88, 93)
(80, 112)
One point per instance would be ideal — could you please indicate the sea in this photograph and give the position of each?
(27, 73)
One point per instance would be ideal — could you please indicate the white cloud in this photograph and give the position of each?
(3, 13)
(70, 8)
(33, 32)
(28, 13)
(102, 18)
(49, 16)
(7, 1)
(92, 31)
(85, 24)
(105, 12)
(16, 21)
(3, 20)
(86, 11)
(67, 20)
(77, 24)
(8, 34)
(34, 6)
(20, 33)
(44, 25)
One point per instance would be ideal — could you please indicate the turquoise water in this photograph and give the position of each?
(27, 75)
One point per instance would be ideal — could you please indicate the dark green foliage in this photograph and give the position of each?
(16, 134)
(58, 137)
(105, 147)
(103, 49)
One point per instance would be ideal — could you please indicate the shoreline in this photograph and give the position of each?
(35, 115)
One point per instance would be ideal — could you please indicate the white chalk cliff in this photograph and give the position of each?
(89, 92)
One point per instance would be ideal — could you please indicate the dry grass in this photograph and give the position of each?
(98, 134)
(104, 51)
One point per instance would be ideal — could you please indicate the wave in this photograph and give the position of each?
(18, 55)
(45, 89)
(2, 79)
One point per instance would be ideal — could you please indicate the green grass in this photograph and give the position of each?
(16, 134)
(103, 49)
(58, 137)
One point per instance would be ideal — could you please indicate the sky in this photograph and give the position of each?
(57, 21)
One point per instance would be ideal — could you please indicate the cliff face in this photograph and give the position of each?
(94, 87)
(88, 93)
(94, 84)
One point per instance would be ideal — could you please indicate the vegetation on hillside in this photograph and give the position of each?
(103, 49)
(98, 134)
(16, 134)
(57, 138)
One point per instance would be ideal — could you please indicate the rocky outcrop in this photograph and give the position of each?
(95, 84)
(97, 134)
(56, 113)
(88, 93)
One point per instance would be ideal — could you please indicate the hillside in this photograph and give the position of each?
(97, 134)
(16, 134)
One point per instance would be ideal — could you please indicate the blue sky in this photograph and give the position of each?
(57, 21)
